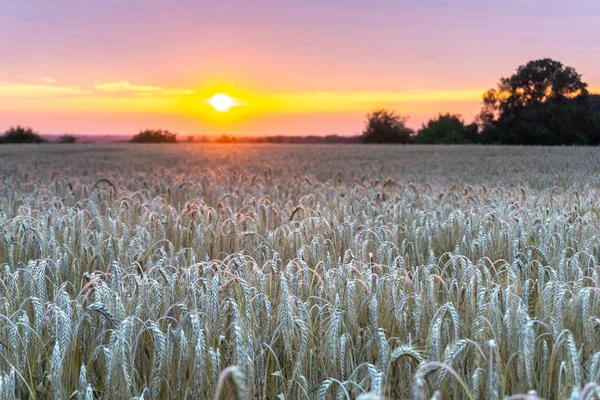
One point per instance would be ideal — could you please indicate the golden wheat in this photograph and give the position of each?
(334, 272)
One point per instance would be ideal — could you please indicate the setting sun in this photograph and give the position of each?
(221, 102)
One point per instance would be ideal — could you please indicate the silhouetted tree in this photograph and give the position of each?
(544, 102)
(226, 139)
(383, 126)
(154, 136)
(20, 134)
(67, 139)
(447, 129)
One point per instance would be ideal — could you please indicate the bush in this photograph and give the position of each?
(447, 129)
(154, 136)
(383, 126)
(21, 134)
(67, 139)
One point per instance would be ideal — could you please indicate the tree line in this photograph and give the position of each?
(542, 103)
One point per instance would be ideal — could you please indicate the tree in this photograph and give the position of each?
(67, 139)
(544, 102)
(20, 134)
(226, 139)
(383, 126)
(154, 136)
(447, 129)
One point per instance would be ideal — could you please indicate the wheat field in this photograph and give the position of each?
(299, 272)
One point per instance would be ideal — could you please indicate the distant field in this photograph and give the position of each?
(298, 271)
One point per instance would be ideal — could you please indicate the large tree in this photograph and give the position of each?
(383, 126)
(543, 102)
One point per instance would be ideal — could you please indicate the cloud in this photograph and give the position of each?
(47, 79)
(127, 87)
(178, 92)
(8, 89)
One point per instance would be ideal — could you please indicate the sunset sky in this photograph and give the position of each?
(297, 67)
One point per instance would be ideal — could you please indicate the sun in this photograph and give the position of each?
(221, 102)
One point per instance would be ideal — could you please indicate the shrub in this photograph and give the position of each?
(154, 136)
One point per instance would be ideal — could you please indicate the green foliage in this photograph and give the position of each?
(21, 134)
(154, 136)
(543, 103)
(67, 139)
(383, 126)
(447, 129)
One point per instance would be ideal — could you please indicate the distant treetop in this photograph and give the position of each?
(21, 134)
(154, 136)
(384, 126)
(226, 139)
(67, 139)
(447, 129)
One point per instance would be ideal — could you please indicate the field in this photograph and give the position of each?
(299, 272)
